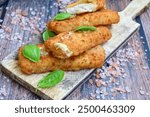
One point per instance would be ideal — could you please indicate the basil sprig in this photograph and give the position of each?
(47, 34)
(86, 28)
(51, 80)
(62, 16)
(31, 52)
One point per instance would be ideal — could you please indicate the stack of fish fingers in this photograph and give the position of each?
(75, 50)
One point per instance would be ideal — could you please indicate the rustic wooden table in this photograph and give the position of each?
(137, 79)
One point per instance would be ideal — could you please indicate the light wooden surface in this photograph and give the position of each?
(136, 7)
(83, 91)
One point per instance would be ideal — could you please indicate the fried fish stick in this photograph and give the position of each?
(83, 6)
(69, 44)
(104, 17)
(93, 58)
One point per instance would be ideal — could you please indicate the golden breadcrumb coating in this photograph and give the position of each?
(104, 17)
(72, 43)
(93, 58)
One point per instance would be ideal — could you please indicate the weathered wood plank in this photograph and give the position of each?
(120, 31)
(135, 73)
(145, 19)
(17, 92)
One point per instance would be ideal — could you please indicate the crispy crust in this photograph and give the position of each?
(93, 58)
(77, 42)
(104, 17)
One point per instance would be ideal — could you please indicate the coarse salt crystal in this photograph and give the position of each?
(92, 98)
(18, 11)
(103, 75)
(145, 67)
(33, 13)
(1, 98)
(142, 92)
(92, 94)
(1, 20)
(106, 93)
(98, 97)
(1, 30)
(141, 88)
(97, 91)
(141, 37)
(24, 13)
(91, 81)
(120, 89)
(98, 83)
(7, 8)
(117, 83)
(30, 9)
(128, 89)
(8, 80)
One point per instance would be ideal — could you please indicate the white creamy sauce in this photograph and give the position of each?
(81, 8)
(64, 48)
(43, 53)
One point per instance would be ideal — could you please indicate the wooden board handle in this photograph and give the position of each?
(135, 8)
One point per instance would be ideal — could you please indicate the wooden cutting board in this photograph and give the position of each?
(121, 33)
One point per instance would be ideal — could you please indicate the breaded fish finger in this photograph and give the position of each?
(93, 58)
(83, 6)
(104, 17)
(72, 43)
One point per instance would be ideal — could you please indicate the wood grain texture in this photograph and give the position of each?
(135, 73)
(145, 18)
(17, 92)
(134, 8)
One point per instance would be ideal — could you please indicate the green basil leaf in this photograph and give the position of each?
(62, 16)
(86, 28)
(47, 34)
(51, 79)
(32, 52)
